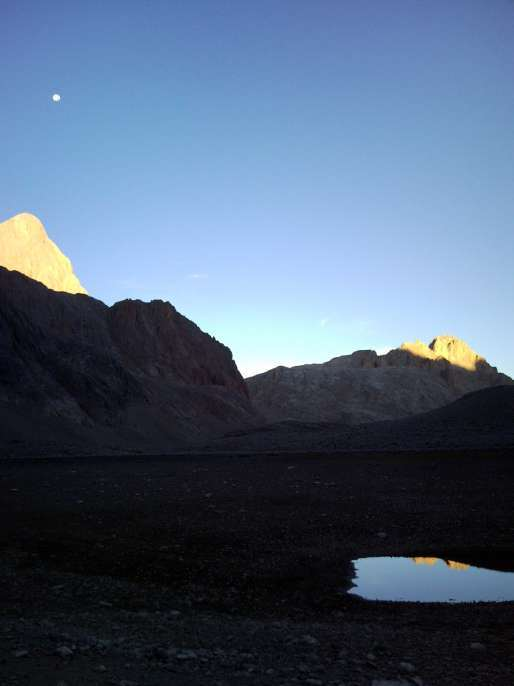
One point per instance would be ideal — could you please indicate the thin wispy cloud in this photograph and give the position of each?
(323, 322)
(198, 275)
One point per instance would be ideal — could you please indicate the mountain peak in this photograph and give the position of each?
(451, 348)
(25, 247)
(456, 351)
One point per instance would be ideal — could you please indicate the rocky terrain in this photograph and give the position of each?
(366, 387)
(77, 375)
(25, 247)
(227, 570)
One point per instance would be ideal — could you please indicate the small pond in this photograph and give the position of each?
(429, 579)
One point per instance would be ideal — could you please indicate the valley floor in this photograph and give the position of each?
(225, 570)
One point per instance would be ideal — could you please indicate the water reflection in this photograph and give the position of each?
(433, 560)
(429, 579)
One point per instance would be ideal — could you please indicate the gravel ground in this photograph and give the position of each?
(225, 570)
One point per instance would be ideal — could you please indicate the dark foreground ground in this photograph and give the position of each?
(225, 570)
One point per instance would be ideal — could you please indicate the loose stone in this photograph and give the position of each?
(64, 651)
(310, 640)
(407, 667)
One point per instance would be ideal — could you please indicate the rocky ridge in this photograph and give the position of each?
(449, 348)
(79, 376)
(365, 387)
(76, 374)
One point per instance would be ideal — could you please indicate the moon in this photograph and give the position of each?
(56, 97)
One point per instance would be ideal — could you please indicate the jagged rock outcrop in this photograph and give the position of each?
(25, 247)
(364, 387)
(449, 348)
(75, 372)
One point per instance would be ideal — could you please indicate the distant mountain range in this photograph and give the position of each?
(365, 387)
(79, 376)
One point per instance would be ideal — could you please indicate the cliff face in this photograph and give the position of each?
(365, 387)
(448, 348)
(154, 340)
(25, 247)
(75, 371)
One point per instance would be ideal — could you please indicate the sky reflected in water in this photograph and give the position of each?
(429, 579)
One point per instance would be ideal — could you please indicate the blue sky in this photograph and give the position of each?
(300, 178)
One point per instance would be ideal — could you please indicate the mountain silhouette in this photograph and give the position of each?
(77, 374)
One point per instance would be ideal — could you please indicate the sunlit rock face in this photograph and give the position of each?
(25, 247)
(456, 352)
(367, 387)
(448, 348)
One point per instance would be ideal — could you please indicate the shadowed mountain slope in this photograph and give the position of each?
(480, 420)
(76, 372)
(365, 387)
